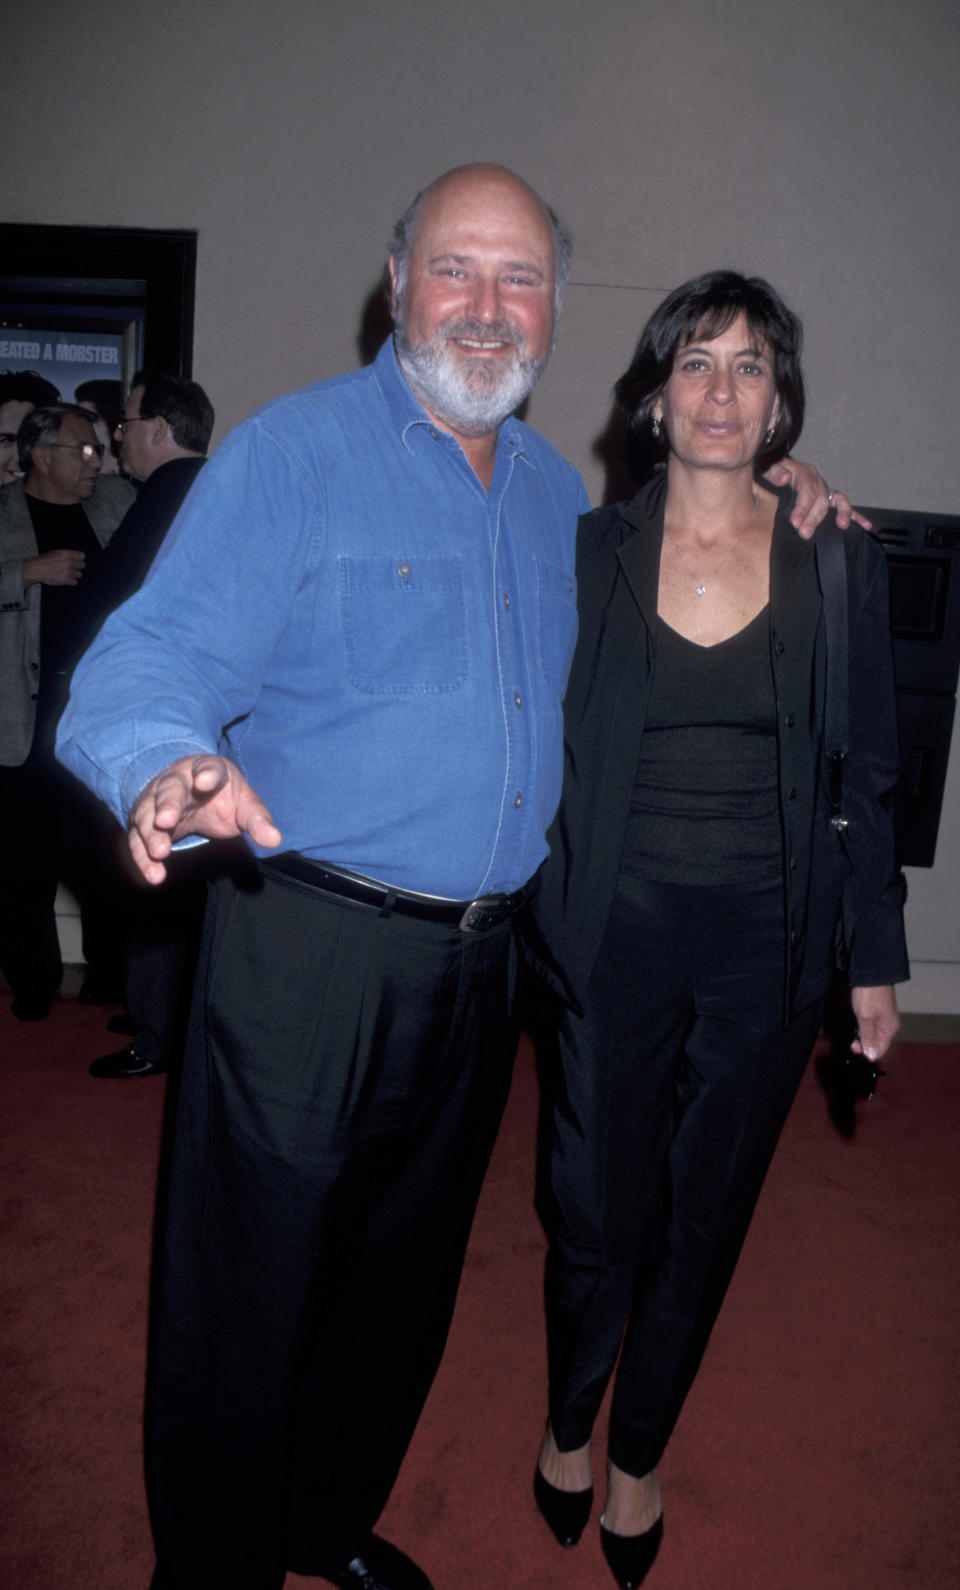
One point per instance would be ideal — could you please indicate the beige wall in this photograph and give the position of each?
(819, 146)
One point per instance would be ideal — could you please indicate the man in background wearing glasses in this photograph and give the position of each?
(54, 523)
(163, 434)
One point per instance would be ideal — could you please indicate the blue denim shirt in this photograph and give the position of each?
(395, 639)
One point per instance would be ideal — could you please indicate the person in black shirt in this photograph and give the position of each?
(54, 524)
(697, 884)
(163, 435)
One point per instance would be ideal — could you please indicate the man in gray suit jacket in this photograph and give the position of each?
(54, 523)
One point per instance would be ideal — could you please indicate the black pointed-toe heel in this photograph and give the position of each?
(630, 1557)
(566, 1512)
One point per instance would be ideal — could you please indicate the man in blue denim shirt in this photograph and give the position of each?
(376, 574)
(372, 580)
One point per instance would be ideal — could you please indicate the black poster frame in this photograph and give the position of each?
(149, 270)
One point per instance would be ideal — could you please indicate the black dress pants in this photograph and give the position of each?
(344, 1079)
(54, 830)
(673, 1090)
(163, 929)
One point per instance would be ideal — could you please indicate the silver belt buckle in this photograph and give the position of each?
(465, 924)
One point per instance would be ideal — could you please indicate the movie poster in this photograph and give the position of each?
(67, 358)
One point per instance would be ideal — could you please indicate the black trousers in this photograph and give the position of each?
(54, 830)
(163, 929)
(673, 1090)
(343, 1083)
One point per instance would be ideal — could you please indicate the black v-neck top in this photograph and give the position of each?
(705, 807)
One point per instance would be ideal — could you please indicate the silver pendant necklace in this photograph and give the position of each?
(701, 584)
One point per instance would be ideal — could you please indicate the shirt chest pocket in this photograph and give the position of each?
(404, 624)
(557, 602)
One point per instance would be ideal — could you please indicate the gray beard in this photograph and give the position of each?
(476, 401)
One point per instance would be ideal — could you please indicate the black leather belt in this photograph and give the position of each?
(471, 916)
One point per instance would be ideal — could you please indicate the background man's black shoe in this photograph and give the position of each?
(128, 1063)
(31, 1007)
(374, 1565)
(124, 1025)
(100, 989)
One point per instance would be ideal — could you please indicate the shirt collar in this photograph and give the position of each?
(406, 412)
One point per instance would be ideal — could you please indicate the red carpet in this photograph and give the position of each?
(820, 1447)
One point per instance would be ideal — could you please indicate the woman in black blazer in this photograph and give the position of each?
(702, 880)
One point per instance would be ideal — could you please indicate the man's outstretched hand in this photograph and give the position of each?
(197, 795)
(814, 497)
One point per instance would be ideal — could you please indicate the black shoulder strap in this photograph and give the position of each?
(832, 575)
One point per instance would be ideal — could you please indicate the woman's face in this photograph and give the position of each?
(720, 399)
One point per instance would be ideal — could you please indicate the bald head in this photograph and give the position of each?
(480, 185)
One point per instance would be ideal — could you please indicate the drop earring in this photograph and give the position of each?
(657, 429)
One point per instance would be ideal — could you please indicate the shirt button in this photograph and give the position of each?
(793, 863)
(794, 936)
(518, 799)
(516, 700)
(506, 600)
(434, 433)
(779, 648)
(789, 720)
(404, 570)
(791, 794)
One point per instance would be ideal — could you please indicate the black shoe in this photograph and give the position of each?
(566, 1512)
(128, 1063)
(31, 1007)
(630, 1557)
(374, 1565)
(124, 1025)
(100, 989)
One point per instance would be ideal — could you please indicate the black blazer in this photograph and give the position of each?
(143, 528)
(847, 890)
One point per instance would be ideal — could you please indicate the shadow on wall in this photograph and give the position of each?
(619, 480)
(376, 323)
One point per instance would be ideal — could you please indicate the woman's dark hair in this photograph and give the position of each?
(704, 308)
